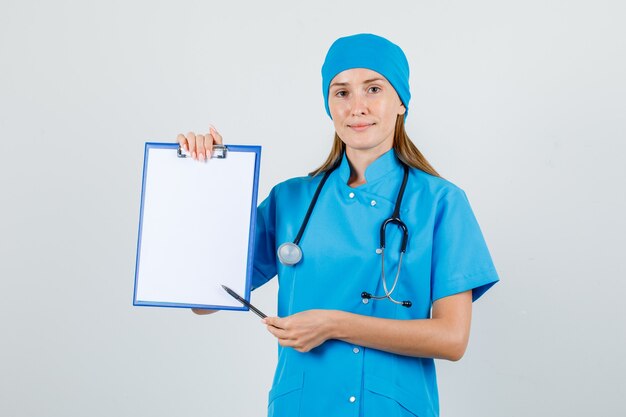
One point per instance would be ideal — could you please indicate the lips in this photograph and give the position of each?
(360, 126)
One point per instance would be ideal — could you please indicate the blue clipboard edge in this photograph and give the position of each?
(251, 236)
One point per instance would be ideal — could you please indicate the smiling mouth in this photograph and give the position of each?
(361, 126)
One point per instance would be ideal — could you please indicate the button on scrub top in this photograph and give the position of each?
(446, 255)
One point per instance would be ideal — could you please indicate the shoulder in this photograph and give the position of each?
(435, 188)
(295, 186)
(287, 193)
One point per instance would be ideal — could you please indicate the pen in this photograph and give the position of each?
(244, 302)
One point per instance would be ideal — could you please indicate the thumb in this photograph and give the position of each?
(272, 321)
(217, 138)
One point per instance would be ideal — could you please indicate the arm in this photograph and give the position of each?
(201, 148)
(443, 336)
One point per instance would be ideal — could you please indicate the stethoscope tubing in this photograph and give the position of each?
(290, 253)
(312, 205)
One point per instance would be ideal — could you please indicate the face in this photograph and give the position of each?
(364, 107)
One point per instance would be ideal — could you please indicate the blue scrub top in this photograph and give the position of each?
(446, 254)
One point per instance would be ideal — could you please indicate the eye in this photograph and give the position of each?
(341, 93)
(374, 89)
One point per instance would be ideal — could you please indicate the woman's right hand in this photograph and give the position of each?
(200, 147)
(202, 312)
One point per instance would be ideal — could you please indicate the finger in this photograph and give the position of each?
(294, 344)
(200, 147)
(274, 321)
(286, 342)
(272, 331)
(278, 333)
(202, 311)
(217, 138)
(191, 139)
(182, 141)
(208, 144)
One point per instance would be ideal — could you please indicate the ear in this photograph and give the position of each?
(402, 109)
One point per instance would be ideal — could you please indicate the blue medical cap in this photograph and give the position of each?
(372, 52)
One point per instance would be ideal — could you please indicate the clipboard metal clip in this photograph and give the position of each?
(219, 152)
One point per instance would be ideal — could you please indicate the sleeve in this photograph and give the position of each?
(461, 260)
(264, 266)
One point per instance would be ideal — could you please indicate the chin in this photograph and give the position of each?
(363, 147)
(363, 143)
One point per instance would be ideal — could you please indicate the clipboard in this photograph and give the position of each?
(196, 227)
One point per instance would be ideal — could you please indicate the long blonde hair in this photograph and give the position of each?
(405, 150)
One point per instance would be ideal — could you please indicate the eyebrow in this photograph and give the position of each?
(364, 82)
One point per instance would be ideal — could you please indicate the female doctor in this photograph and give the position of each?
(380, 277)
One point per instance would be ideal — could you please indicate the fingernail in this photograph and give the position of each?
(201, 156)
(193, 155)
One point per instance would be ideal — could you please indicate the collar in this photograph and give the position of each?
(380, 168)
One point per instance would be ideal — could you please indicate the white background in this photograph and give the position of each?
(522, 104)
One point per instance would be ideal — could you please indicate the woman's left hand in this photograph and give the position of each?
(302, 331)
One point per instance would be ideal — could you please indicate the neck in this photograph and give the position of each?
(359, 161)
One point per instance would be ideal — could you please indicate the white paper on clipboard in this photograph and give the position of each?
(196, 228)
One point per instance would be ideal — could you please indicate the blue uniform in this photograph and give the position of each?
(446, 254)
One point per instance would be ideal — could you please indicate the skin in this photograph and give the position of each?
(364, 108)
(200, 147)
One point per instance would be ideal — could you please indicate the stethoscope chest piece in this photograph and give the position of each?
(289, 253)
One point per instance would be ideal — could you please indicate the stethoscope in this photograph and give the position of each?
(290, 253)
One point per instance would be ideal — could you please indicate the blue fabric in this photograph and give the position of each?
(372, 52)
(446, 254)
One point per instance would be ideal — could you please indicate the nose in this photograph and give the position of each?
(359, 105)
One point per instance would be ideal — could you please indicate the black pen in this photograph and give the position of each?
(244, 302)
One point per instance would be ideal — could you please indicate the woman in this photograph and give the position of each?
(363, 313)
